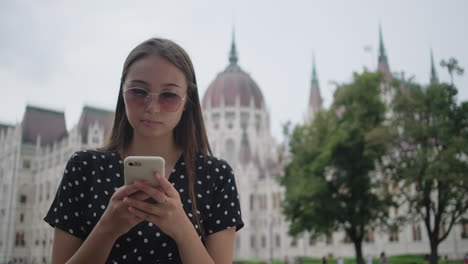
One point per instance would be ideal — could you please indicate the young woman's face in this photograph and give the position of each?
(154, 93)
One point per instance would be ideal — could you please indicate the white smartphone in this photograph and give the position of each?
(143, 168)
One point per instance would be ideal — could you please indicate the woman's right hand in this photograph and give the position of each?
(116, 219)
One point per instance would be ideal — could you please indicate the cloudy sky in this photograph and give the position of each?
(66, 54)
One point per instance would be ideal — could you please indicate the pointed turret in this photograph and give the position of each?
(382, 54)
(434, 78)
(314, 71)
(233, 54)
(315, 99)
(383, 65)
(233, 57)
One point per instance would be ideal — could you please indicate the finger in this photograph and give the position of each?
(167, 187)
(139, 195)
(143, 215)
(124, 191)
(135, 218)
(142, 206)
(159, 188)
(152, 192)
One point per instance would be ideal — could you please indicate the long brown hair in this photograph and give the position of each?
(189, 134)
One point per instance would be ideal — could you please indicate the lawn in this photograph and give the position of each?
(401, 259)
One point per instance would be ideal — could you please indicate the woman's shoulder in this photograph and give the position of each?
(93, 156)
(213, 162)
(215, 169)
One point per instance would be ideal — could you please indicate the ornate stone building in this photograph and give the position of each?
(33, 155)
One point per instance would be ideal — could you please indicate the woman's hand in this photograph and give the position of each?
(117, 220)
(168, 213)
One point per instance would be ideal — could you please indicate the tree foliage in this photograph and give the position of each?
(331, 182)
(429, 159)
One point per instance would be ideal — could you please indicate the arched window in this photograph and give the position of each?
(293, 241)
(47, 191)
(263, 241)
(369, 237)
(231, 152)
(393, 236)
(23, 198)
(416, 232)
(464, 233)
(252, 202)
(238, 242)
(252, 241)
(278, 241)
(40, 192)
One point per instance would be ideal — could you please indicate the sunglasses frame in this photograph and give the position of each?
(149, 97)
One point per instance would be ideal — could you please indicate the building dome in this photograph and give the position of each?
(231, 85)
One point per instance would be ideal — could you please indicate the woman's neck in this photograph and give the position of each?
(164, 147)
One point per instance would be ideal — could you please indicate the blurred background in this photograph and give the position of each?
(60, 68)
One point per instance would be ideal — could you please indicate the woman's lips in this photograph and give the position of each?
(150, 122)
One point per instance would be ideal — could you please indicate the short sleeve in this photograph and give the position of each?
(66, 211)
(225, 207)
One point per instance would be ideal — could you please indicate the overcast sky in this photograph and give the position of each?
(66, 54)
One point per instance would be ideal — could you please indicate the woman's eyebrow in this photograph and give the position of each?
(171, 85)
(164, 85)
(139, 82)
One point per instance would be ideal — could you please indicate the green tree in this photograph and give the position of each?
(452, 67)
(430, 157)
(331, 181)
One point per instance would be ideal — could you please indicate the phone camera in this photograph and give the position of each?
(131, 164)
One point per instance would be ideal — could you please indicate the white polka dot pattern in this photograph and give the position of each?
(90, 179)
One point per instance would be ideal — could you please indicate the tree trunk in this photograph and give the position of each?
(358, 249)
(433, 258)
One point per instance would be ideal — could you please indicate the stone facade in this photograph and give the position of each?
(29, 176)
(238, 126)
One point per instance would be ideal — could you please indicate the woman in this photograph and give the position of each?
(197, 212)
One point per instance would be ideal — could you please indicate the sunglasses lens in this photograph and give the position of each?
(136, 96)
(169, 101)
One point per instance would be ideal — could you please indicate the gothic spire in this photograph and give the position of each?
(382, 65)
(314, 71)
(233, 54)
(315, 99)
(382, 53)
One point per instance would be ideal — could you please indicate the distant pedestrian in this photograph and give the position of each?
(340, 260)
(465, 261)
(369, 260)
(383, 258)
(324, 260)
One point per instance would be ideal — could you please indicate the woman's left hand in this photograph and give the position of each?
(168, 213)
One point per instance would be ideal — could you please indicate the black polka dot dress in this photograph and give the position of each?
(90, 178)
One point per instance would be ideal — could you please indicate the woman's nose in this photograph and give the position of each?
(152, 104)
